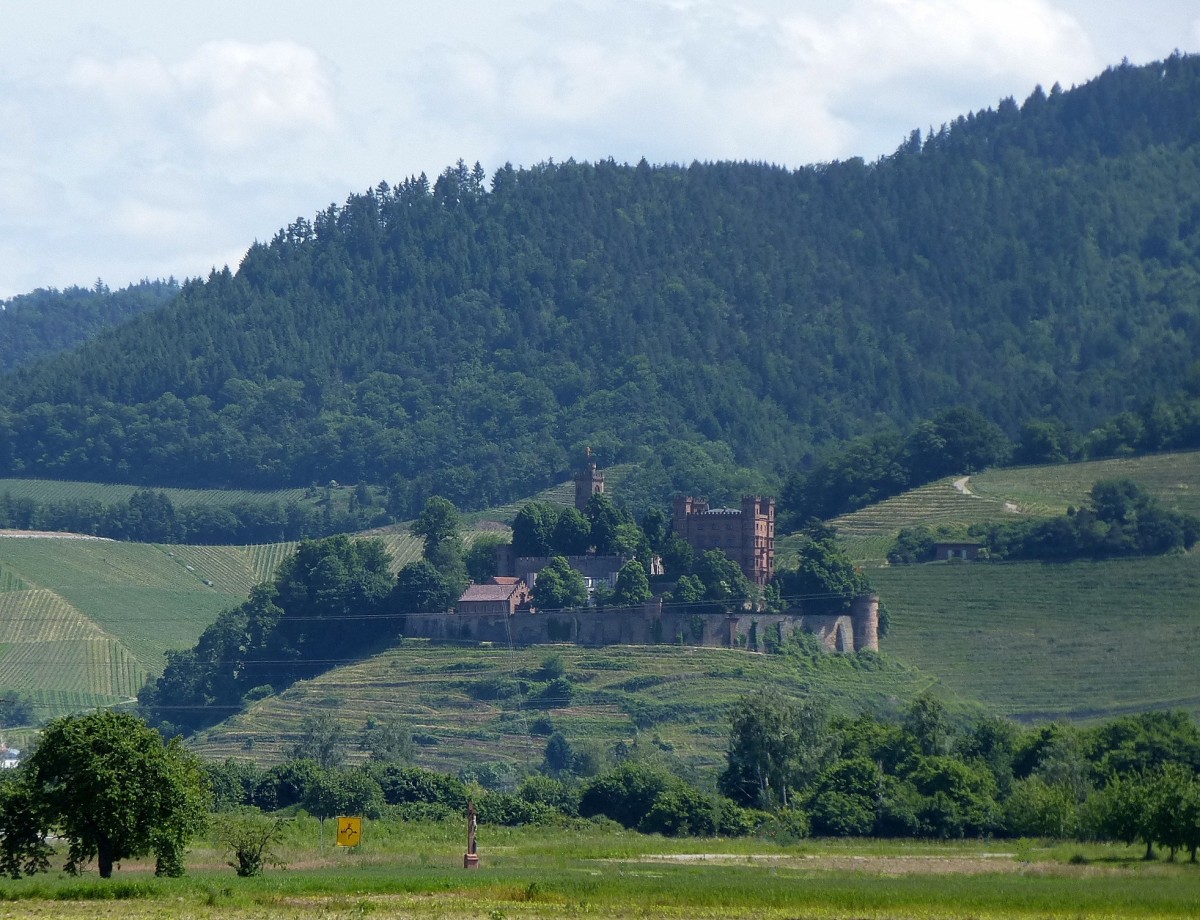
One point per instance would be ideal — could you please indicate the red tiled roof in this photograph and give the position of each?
(488, 593)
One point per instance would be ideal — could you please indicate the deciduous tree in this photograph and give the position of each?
(107, 784)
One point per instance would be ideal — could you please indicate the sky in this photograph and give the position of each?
(148, 139)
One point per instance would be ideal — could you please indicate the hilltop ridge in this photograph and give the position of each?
(468, 337)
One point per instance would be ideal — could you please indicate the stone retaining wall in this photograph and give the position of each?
(653, 624)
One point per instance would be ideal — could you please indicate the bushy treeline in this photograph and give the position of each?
(1130, 779)
(1120, 519)
(792, 771)
(470, 338)
(878, 466)
(152, 517)
(331, 601)
(48, 321)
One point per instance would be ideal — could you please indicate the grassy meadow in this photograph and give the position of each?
(577, 869)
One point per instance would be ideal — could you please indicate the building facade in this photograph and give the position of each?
(588, 482)
(746, 534)
(499, 597)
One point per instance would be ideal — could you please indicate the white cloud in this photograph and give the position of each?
(251, 94)
(142, 138)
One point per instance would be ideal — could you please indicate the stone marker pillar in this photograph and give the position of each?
(471, 857)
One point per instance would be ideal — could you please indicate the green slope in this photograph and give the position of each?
(957, 502)
(664, 698)
(1082, 640)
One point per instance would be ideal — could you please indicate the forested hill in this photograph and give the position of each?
(48, 321)
(472, 336)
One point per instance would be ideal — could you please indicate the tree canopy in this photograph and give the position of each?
(107, 784)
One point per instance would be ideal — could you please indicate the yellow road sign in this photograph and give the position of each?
(349, 832)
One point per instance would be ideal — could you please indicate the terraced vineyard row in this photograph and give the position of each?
(10, 581)
(228, 569)
(938, 503)
(265, 559)
(40, 616)
(403, 547)
(96, 664)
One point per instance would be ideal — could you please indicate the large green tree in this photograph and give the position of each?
(776, 745)
(107, 784)
(559, 586)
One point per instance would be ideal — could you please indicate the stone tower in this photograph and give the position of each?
(588, 482)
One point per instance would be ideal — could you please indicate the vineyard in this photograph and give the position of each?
(135, 593)
(1080, 640)
(1174, 479)
(473, 705)
(51, 648)
(10, 582)
(936, 504)
(1001, 495)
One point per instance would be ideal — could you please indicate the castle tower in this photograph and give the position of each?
(588, 482)
(758, 538)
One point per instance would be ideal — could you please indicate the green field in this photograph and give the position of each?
(1174, 479)
(957, 502)
(577, 868)
(55, 490)
(1082, 640)
(667, 700)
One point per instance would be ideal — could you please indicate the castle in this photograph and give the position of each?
(499, 613)
(746, 535)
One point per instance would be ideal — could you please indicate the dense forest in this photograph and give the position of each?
(49, 321)
(469, 337)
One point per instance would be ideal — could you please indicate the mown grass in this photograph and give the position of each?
(670, 701)
(405, 870)
(1083, 640)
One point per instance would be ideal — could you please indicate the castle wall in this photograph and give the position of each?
(651, 624)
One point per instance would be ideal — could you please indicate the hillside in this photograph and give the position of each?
(471, 338)
(1008, 494)
(475, 705)
(1080, 640)
(46, 322)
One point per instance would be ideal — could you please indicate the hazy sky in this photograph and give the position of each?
(141, 138)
